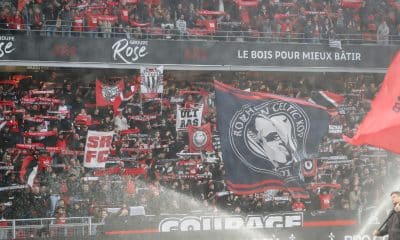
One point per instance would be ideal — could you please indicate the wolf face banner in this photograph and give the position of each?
(151, 80)
(264, 138)
(106, 94)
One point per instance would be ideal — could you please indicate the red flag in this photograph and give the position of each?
(200, 138)
(106, 94)
(381, 126)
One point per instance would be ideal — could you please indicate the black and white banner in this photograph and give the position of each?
(188, 116)
(151, 80)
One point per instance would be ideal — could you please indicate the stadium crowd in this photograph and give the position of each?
(271, 20)
(149, 167)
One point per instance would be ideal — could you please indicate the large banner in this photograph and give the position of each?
(324, 225)
(97, 148)
(151, 80)
(135, 53)
(188, 116)
(264, 137)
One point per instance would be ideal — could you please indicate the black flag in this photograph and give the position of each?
(264, 137)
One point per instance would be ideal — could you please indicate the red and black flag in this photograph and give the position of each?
(327, 99)
(264, 138)
(106, 94)
(381, 126)
(200, 138)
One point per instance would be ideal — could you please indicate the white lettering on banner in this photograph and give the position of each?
(364, 237)
(188, 116)
(129, 51)
(298, 55)
(205, 223)
(97, 148)
(243, 54)
(6, 45)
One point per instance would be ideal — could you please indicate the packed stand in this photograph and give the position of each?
(310, 21)
(44, 124)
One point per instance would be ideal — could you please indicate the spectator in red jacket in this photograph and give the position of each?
(17, 23)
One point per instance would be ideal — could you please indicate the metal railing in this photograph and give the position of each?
(48, 227)
(146, 33)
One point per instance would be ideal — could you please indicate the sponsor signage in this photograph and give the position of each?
(281, 225)
(207, 223)
(205, 53)
(6, 45)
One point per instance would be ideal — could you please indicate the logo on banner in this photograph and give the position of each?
(273, 132)
(200, 138)
(309, 167)
(6, 45)
(129, 51)
(151, 80)
(110, 92)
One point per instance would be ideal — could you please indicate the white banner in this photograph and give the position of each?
(335, 129)
(188, 116)
(97, 148)
(151, 80)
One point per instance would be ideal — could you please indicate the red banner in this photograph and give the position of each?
(134, 171)
(200, 138)
(108, 171)
(247, 3)
(121, 171)
(309, 167)
(7, 103)
(40, 134)
(352, 3)
(106, 94)
(130, 131)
